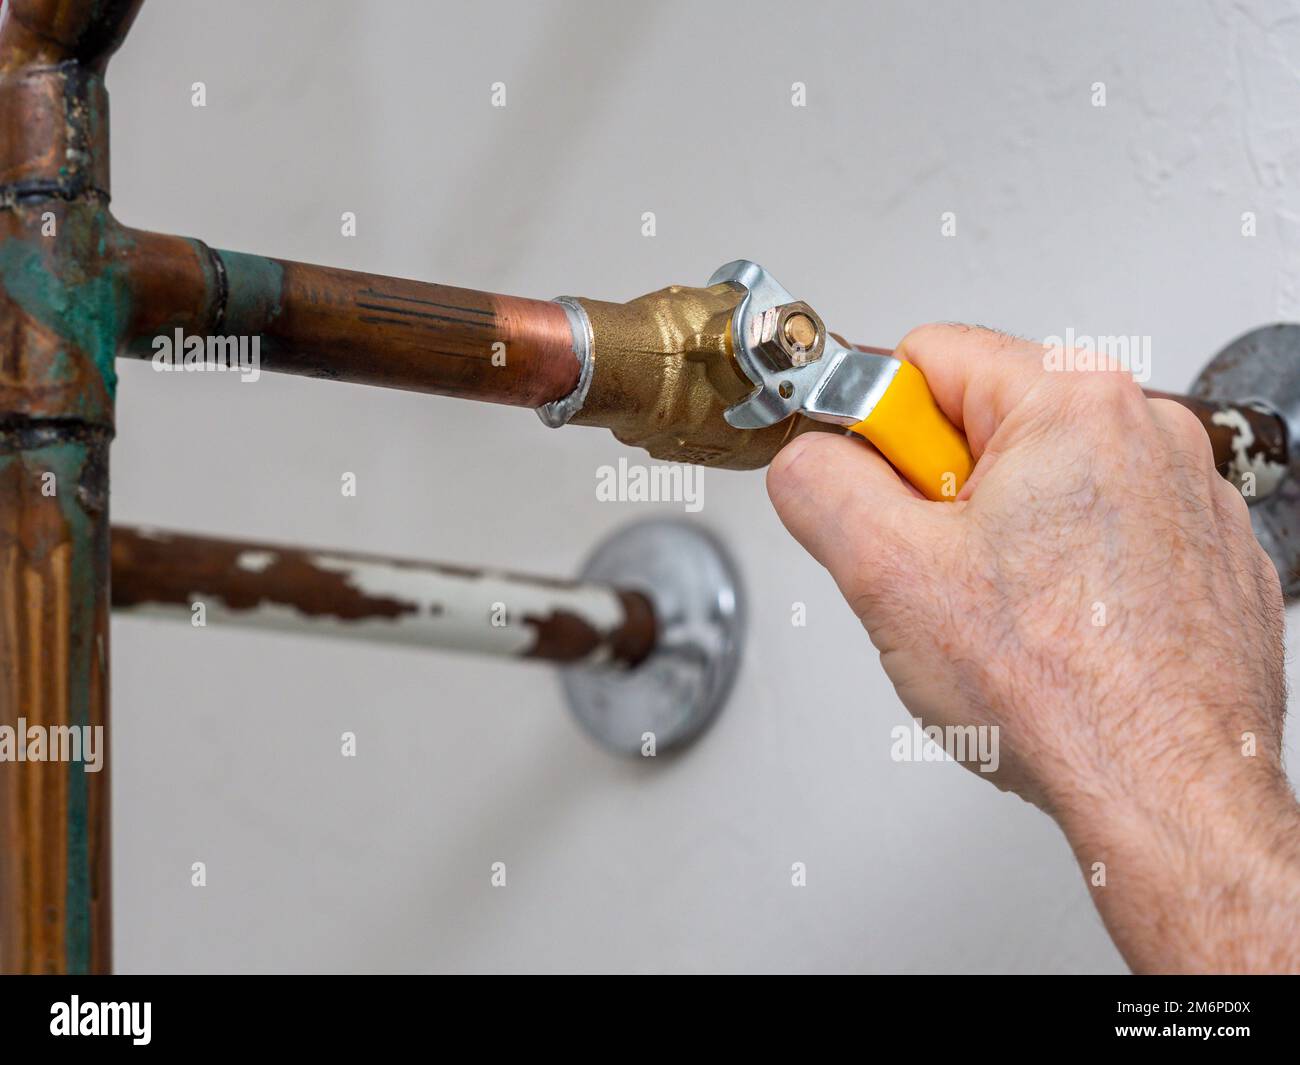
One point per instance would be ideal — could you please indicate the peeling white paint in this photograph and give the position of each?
(454, 611)
(1267, 475)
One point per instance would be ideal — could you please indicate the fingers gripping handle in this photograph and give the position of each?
(910, 430)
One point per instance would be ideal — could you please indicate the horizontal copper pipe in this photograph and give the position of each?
(342, 325)
(365, 328)
(421, 604)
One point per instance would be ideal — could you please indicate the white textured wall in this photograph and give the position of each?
(226, 749)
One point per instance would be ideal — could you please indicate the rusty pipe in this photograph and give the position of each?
(422, 604)
(1246, 440)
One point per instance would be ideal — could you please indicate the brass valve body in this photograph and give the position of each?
(663, 373)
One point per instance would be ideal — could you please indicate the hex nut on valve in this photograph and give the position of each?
(790, 336)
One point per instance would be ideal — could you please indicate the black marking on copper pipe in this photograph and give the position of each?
(34, 433)
(405, 313)
(428, 303)
(35, 190)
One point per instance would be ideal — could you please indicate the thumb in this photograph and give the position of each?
(848, 508)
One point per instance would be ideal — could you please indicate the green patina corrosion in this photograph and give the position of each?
(88, 309)
(253, 287)
(69, 460)
(72, 286)
(79, 294)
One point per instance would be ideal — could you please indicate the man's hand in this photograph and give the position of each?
(1097, 594)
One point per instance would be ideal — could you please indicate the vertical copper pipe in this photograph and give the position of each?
(45, 33)
(54, 814)
(63, 312)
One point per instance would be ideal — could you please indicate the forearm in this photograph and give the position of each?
(1197, 877)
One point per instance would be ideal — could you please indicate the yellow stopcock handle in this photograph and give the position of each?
(908, 428)
(798, 367)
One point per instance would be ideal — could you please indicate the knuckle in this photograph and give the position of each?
(1111, 388)
(1186, 428)
(1110, 397)
(1190, 447)
(943, 336)
(1233, 504)
(933, 336)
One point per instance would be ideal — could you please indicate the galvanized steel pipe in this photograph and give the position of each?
(422, 604)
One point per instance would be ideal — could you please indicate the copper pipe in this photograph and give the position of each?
(423, 604)
(69, 306)
(341, 325)
(364, 328)
(45, 33)
(60, 326)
